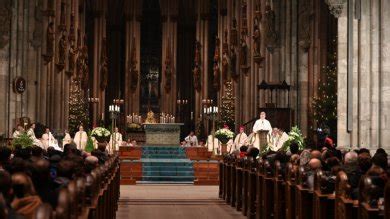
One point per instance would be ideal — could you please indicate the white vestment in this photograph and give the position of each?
(36, 141)
(16, 134)
(48, 140)
(211, 145)
(240, 140)
(276, 142)
(67, 139)
(80, 139)
(262, 124)
(117, 142)
(192, 141)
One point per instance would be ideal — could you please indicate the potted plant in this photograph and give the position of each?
(295, 135)
(102, 135)
(23, 140)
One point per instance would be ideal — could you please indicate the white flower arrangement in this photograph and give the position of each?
(100, 132)
(295, 135)
(224, 135)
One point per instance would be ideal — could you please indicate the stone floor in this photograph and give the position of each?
(173, 201)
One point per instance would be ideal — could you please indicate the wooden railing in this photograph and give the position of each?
(93, 197)
(262, 191)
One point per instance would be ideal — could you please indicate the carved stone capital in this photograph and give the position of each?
(336, 7)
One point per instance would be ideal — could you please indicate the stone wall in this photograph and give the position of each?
(370, 122)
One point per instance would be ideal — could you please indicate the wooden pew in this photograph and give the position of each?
(324, 201)
(221, 178)
(245, 179)
(267, 191)
(259, 189)
(291, 179)
(279, 193)
(233, 194)
(345, 207)
(228, 180)
(239, 183)
(44, 211)
(303, 197)
(252, 189)
(368, 194)
(387, 200)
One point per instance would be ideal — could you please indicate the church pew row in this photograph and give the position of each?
(93, 197)
(262, 191)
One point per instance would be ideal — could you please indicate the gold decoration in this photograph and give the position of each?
(150, 118)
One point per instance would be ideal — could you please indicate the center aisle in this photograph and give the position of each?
(173, 201)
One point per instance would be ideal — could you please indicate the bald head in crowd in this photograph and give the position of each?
(351, 157)
(314, 164)
(315, 154)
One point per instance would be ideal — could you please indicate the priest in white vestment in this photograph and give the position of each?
(277, 139)
(48, 140)
(192, 140)
(213, 144)
(240, 140)
(261, 125)
(31, 133)
(116, 140)
(19, 130)
(67, 139)
(81, 138)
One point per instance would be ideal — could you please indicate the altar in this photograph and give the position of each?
(162, 133)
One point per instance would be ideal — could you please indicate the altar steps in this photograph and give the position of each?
(164, 164)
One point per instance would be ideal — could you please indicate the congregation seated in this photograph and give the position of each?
(319, 172)
(31, 176)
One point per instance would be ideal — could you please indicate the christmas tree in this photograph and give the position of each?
(227, 107)
(78, 108)
(325, 103)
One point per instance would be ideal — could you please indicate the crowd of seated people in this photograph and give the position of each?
(31, 176)
(354, 163)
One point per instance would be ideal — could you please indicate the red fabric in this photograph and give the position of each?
(242, 154)
(329, 141)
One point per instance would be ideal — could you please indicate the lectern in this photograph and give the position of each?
(262, 139)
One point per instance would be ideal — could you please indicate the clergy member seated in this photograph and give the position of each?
(191, 140)
(67, 139)
(213, 144)
(31, 133)
(117, 138)
(48, 140)
(277, 139)
(81, 138)
(240, 140)
(19, 130)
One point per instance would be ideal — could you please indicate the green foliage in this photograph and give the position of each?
(23, 140)
(227, 107)
(295, 135)
(89, 147)
(325, 103)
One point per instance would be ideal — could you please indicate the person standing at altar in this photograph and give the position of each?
(262, 124)
(31, 133)
(191, 140)
(117, 138)
(81, 138)
(240, 140)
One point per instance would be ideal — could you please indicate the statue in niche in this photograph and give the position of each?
(168, 72)
(104, 66)
(243, 53)
(71, 58)
(233, 64)
(85, 71)
(304, 20)
(133, 68)
(216, 69)
(49, 43)
(37, 36)
(62, 46)
(197, 68)
(216, 74)
(225, 59)
(270, 35)
(234, 33)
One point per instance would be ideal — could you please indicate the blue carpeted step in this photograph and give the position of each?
(169, 173)
(168, 178)
(166, 164)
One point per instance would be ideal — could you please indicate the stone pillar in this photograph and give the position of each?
(133, 15)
